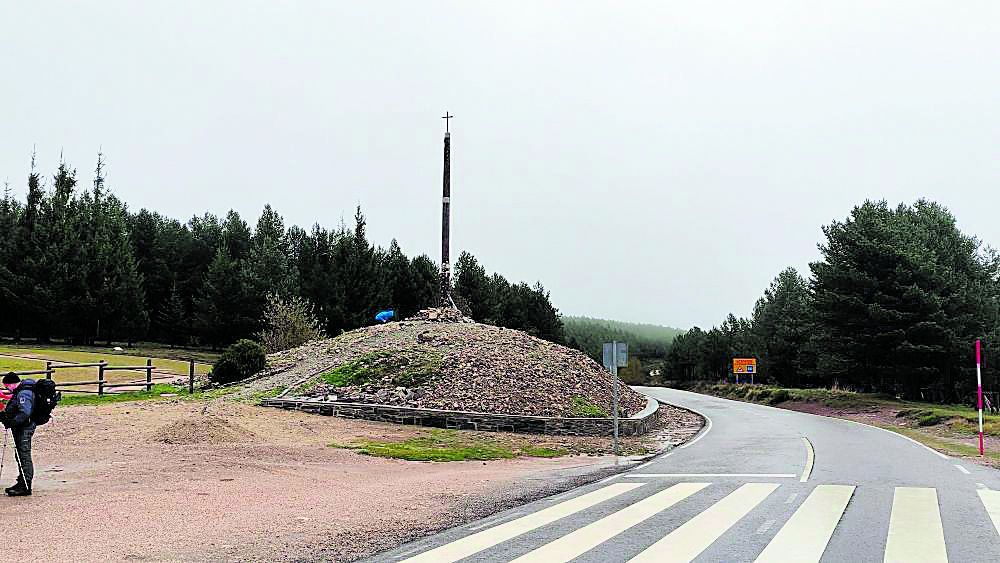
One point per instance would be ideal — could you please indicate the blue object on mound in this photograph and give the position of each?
(385, 316)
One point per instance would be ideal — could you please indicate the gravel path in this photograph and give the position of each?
(222, 480)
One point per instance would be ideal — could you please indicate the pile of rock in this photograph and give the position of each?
(430, 361)
(441, 315)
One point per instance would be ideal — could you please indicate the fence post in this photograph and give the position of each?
(100, 378)
(48, 369)
(149, 374)
(191, 377)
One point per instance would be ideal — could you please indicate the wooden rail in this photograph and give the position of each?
(102, 382)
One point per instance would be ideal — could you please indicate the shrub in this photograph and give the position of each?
(582, 407)
(780, 396)
(930, 419)
(238, 362)
(288, 324)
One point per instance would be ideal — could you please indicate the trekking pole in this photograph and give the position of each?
(4, 454)
(17, 458)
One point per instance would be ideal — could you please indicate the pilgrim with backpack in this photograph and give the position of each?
(30, 406)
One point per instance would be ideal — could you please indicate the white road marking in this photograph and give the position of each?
(472, 544)
(962, 469)
(981, 486)
(584, 539)
(804, 537)
(991, 500)
(926, 447)
(810, 459)
(791, 498)
(915, 530)
(495, 520)
(695, 535)
(765, 526)
(704, 431)
(753, 475)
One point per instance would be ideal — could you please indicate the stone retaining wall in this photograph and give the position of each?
(637, 425)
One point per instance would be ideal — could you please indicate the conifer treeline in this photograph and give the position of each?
(894, 305)
(76, 264)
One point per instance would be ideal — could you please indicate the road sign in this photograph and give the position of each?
(744, 365)
(610, 348)
(615, 356)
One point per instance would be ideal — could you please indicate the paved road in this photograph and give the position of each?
(758, 484)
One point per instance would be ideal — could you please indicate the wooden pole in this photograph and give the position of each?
(191, 377)
(100, 378)
(446, 218)
(48, 369)
(149, 374)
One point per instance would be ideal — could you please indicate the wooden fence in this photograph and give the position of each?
(102, 382)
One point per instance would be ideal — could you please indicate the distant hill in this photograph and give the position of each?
(645, 340)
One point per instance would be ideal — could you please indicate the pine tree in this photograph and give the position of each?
(268, 267)
(473, 285)
(781, 325)
(220, 315)
(172, 319)
(62, 295)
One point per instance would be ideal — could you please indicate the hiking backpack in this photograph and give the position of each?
(46, 399)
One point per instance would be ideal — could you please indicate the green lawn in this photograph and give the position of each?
(449, 445)
(179, 367)
(158, 392)
(19, 364)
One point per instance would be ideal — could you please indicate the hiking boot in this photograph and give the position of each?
(18, 490)
(18, 485)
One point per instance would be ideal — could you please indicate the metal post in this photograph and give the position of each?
(149, 374)
(100, 378)
(191, 377)
(48, 370)
(614, 386)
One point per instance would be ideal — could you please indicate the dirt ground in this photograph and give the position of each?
(223, 480)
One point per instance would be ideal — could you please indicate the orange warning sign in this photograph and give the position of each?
(744, 365)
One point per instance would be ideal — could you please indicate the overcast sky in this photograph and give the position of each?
(655, 162)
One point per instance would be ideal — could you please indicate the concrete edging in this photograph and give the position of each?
(636, 425)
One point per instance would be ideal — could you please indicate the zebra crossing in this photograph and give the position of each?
(915, 532)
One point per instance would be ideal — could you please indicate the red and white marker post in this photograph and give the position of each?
(979, 391)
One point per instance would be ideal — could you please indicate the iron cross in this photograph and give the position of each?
(447, 119)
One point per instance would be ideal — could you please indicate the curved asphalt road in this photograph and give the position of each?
(758, 484)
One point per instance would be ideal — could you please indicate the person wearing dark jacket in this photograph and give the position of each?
(17, 417)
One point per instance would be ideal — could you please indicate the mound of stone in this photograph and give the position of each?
(442, 360)
(441, 315)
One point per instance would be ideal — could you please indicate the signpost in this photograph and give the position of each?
(744, 366)
(979, 393)
(615, 356)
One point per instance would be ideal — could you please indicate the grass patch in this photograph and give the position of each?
(405, 369)
(76, 399)
(142, 349)
(582, 407)
(937, 426)
(941, 444)
(268, 394)
(181, 392)
(8, 364)
(448, 445)
(81, 355)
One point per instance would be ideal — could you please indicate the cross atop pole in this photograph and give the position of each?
(446, 217)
